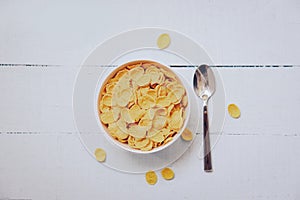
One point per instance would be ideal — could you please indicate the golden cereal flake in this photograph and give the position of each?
(120, 134)
(116, 113)
(107, 117)
(136, 112)
(234, 111)
(163, 41)
(167, 173)
(123, 83)
(163, 101)
(143, 90)
(151, 177)
(109, 87)
(100, 154)
(122, 125)
(176, 120)
(159, 137)
(146, 102)
(123, 98)
(156, 78)
(170, 108)
(179, 92)
(159, 122)
(149, 114)
(147, 123)
(121, 73)
(169, 74)
(184, 101)
(169, 139)
(150, 68)
(148, 147)
(107, 100)
(152, 93)
(131, 141)
(143, 80)
(162, 91)
(137, 131)
(103, 108)
(141, 143)
(174, 96)
(165, 132)
(126, 115)
(152, 132)
(161, 112)
(136, 73)
(187, 135)
(133, 66)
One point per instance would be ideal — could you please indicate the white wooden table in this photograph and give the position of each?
(257, 156)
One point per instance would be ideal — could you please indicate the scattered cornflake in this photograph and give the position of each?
(151, 177)
(167, 173)
(187, 135)
(234, 111)
(163, 41)
(100, 154)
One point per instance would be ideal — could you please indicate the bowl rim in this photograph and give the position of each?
(100, 86)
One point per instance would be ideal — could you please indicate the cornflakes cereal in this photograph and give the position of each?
(152, 132)
(146, 123)
(158, 137)
(126, 115)
(136, 73)
(167, 173)
(161, 112)
(119, 134)
(156, 77)
(148, 147)
(187, 135)
(163, 101)
(143, 80)
(176, 120)
(234, 111)
(146, 102)
(100, 154)
(107, 100)
(163, 41)
(137, 131)
(159, 122)
(121, 73)
(143, 105)
(169, 139)
(123, 97)
(168, 74)
(103, 108)
(136, 112)
(151, 177)
(107, 117)
(152, 93)
(131, 141)
(184, 101)
(141, 143)
(109, 87)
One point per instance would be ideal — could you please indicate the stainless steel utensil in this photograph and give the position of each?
(204, 86)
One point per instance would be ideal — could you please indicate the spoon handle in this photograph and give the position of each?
(207, 156)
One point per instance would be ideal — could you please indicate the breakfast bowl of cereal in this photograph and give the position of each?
(142, 106)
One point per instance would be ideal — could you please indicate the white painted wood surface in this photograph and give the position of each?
(257, 156)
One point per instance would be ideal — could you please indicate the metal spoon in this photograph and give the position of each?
(204, 86)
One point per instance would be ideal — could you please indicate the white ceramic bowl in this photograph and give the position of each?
(100, 89)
